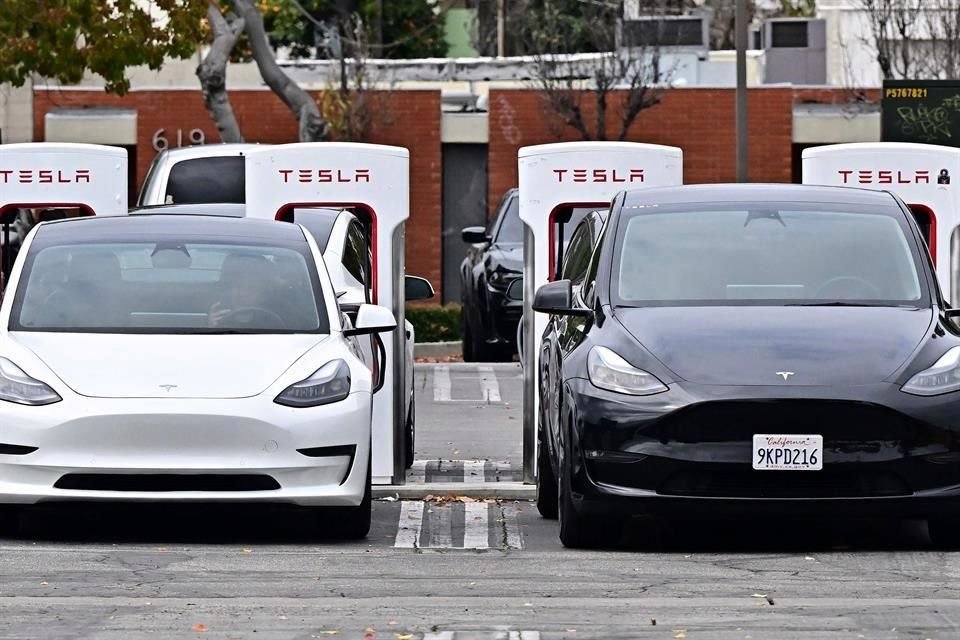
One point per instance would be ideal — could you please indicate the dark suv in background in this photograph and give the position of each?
(491, 278)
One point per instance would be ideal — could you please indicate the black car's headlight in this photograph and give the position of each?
(942, 377)
(330, 383)
(16, 386)
(609, 371)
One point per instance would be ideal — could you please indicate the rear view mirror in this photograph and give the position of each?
(372, 318)
(557, 298)
(416, 288)
(475, 235)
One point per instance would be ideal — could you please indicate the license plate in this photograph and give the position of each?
(773, 452)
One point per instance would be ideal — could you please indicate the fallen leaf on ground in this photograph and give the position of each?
(369, 634)
(403, 636)
(199, 627)
(809, 558)
(43, 584)
(759, 595)
(247, 550)
(465, 499)
(678, 634)
(330, 632)
(653, 622)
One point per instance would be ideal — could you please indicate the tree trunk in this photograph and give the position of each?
(213, 73)
(313, 127)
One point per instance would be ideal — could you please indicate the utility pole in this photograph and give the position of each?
(501, 27)
(741, 21)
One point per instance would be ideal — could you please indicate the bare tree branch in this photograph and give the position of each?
(213, 72)
(313, 127)
(628, 76)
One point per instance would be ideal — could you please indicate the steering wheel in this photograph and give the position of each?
(854, 280)
(256, 312)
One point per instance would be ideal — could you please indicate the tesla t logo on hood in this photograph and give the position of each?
(599, 175)
(784, 374)
(325, 175)
(168, 387)
(44, 176)
(868, 176)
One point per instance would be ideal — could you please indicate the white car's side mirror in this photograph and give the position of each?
(372, 318)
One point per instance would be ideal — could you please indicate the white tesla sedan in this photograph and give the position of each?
(183, 358)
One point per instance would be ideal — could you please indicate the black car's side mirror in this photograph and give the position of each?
(557, 298)
(475, 235)
(417, 288)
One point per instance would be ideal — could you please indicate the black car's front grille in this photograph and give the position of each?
(739, 420)
(747, 483)
(166, 482)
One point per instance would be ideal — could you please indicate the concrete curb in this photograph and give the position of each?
(436, 349)
(503, 490)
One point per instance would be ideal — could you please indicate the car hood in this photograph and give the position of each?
(750, 345)
(167, 366)
(509, 257)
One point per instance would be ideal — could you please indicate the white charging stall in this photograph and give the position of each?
(38, 175)
(90, 177)
(924, 176)
(558, 177)
(374, 181)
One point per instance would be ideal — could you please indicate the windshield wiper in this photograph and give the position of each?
(843, 303)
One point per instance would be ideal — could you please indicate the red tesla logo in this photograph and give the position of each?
(44, 176)
(325, 175)
(599, 175)
(868, 176)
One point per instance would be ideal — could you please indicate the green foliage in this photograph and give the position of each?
(411, 28)
(63, 39)
(435, 323)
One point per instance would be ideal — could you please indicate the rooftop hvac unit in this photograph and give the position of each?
(677, 32)
(795, 51)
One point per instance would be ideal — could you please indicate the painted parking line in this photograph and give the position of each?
(410, 525)
(476, 528)
(488, 384)
(459, 525)
(441, 384)
(474, 471)
(466, 471)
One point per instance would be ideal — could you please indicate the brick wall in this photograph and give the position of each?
(700, 121)
(408, 119)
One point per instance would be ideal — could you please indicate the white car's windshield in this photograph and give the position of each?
(182, 285)
(778, 254)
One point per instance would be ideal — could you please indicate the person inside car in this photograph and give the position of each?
(247, 281)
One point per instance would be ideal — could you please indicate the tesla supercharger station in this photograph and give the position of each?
(555, 178)
(89, 177)
(923, 175)
(373, 180)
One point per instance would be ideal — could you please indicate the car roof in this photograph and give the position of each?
(228, 210)
(150, 225)
(210, 150)
(760, 193)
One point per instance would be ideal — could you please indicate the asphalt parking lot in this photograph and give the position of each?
(455, 567)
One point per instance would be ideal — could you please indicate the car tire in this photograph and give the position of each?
(10, 520)
(945, 532)
(546, 481)
(411, 435)
(350, 523)
(474, 348)
(577, 530)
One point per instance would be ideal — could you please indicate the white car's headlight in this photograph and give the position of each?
(609, 371)
(17, 386)
(330, 383)
(942, 377)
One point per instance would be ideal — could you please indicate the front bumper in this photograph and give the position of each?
(503, 315)
(238, 450)
(689, 451)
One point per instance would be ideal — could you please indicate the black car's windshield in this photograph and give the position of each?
(173, 285)
(800, 253)
(511, 227)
